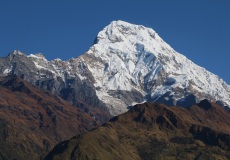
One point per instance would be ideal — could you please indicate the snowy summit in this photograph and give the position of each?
(136, 58)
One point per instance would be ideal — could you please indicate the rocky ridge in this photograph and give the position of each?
(155, 131)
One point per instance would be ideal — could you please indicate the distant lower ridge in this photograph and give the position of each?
(32, 120)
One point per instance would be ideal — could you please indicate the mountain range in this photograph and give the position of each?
(127, 64)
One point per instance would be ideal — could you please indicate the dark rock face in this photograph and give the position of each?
(155, 131)
(127, 96)
(205, 104)
(187, 101)
(32, 121)
(211, 137)
(165, 99)
(81, 93)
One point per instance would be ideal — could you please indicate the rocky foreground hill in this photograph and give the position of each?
(155, 131)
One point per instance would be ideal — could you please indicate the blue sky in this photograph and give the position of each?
(199, 29)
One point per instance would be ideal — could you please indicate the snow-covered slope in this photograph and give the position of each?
(136, 58)
(128, 64)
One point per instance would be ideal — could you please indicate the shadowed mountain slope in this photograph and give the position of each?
(32, 121)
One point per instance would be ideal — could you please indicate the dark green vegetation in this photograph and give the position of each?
(155, 131)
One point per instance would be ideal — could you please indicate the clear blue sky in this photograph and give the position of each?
(199, 29)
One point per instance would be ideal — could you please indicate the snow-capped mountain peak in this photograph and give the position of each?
(135, 58)
(127, 64)
(17, 52)
(38, 56)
